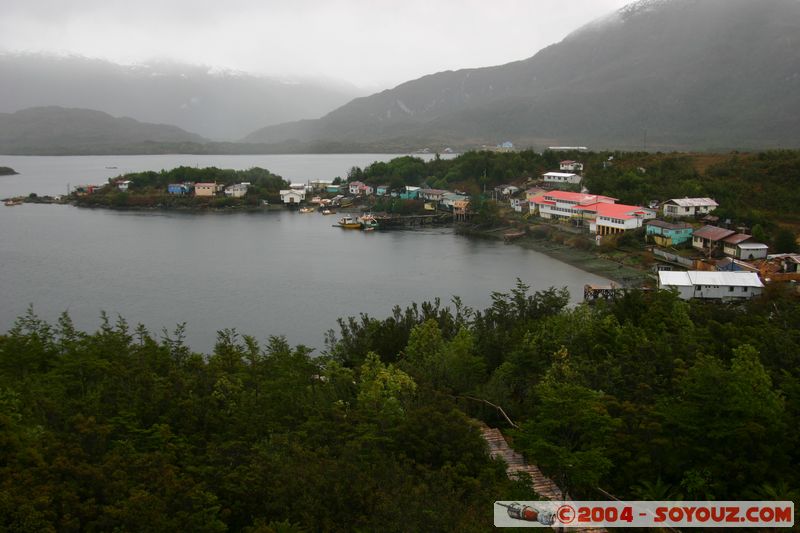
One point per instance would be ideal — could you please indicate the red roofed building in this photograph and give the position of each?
(603, 215)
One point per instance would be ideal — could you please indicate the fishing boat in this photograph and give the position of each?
(307, 209)
(328, 212)
(368, 223)
(348, 222)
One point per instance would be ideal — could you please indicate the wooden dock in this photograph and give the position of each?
(544, 486)
(389, 221)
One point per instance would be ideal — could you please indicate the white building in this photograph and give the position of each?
(561, 178)
(237, 190)
(292, 196)
(751, 250)
(601, 213)
(572, 166)
(688, 207)
(711, 285)
(123, 185)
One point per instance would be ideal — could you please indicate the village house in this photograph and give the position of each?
(709, 239)
(730, 243)
(206, 189)
(357, 188)
(434, 195)
(711, 285)
(667, 234)
(561, 178)
(411, 193)
(688, 207)
(354, 187)
(506, 190)
(237, 190)
(180, 189)
(320, 185)
(292, 196)
(450, 199)
(333, 189)
(382, 190)
(571, 166)
(751, 251)
(123, 185)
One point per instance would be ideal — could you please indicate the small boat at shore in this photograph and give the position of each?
(348, 222)
(307, 209)
(328, 212)
(368, 222)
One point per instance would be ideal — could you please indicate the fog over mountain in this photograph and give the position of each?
(706, 74)
(218, 105)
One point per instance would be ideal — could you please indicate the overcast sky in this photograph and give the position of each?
(373, 44)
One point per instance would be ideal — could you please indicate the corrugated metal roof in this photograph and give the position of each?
(693, 202)
(713, 233)
(697, 277)
(753, 246)
(671, 278)
(737, 238)
(669, 225)
(560, 174)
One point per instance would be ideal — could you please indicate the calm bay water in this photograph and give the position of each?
(278, 273)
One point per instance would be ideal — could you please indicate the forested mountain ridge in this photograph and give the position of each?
(61, 131)
(708, 74)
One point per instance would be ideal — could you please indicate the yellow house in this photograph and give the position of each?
(205, 189)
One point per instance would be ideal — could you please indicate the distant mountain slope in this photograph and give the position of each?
(217, 105)
(668, 73)
(56, 130)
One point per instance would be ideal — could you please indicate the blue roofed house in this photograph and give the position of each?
(179, 189)
(382, 190)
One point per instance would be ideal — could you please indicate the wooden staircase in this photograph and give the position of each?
(544, 486)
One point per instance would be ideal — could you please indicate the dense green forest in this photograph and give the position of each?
(646, 397)
(149, 188)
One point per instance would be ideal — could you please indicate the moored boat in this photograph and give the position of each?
(368, 223)
(307, 209)
(348, 222)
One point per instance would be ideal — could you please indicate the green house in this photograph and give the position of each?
(668, 234)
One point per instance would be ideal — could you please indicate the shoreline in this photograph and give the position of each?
(587, 261)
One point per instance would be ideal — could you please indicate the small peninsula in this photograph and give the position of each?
(7, 171)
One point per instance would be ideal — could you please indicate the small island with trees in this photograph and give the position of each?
(184, 188)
